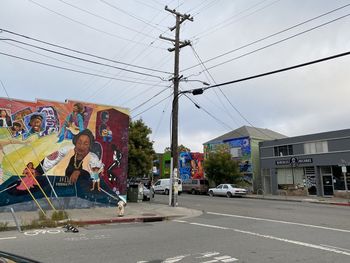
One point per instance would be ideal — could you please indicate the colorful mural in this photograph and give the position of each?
(240, 149)
(191, 165)
(62, 149)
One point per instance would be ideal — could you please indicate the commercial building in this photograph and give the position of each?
(243, 144)
(315, 164)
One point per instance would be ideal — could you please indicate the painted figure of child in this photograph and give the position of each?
(95, 168)
(28, 180)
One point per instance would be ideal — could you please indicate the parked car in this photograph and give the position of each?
(228, 190)
(195, 186)
(148, 193)
(162, 186)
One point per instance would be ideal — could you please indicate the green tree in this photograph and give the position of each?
(180, 148)
(220, 168)
(140, 149)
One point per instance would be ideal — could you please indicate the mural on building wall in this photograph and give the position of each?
(191, 165)
(64, 149)
(240, 149)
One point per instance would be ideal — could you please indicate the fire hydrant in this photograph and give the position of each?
(121, 206)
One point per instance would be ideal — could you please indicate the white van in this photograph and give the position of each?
(162, 186)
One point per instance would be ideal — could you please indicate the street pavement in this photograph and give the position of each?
(213, 229)
(149, 211)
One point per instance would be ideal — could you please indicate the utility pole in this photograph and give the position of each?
(180, 18)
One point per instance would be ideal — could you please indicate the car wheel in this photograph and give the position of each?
(211, 194)
(166, 191)
(228, 194)
(193, 191)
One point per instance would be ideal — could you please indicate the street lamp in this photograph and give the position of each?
(174, 145)
(196, 80)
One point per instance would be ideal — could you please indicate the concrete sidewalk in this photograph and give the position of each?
(134, 212)
(148, 211)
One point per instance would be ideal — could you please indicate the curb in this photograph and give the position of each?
(147, 219)
(300, 201)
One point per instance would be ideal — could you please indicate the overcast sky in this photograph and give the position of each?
(303, 101)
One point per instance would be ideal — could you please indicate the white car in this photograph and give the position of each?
(228, 190)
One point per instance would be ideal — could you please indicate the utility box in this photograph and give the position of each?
(135, 192)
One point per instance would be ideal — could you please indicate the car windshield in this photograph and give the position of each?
(233, 185)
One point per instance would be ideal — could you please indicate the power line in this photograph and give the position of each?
(131, 15)
(88, 26)
(69, 69)
(279, 70)
(152, 106)
(161, 118)
(105, 19)
(207, 112)
(3, 86)
(227, 99)
(79, 58)
(269, 36)
(139, 94)
(212, 78)
(154, 96)
(81, 52)
(232, 17)
(277, 42)
(72, 64)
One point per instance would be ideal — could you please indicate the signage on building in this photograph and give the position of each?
(294, 161)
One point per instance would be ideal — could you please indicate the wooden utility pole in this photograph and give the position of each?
(180, 18)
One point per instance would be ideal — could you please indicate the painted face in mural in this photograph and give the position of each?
(82, 146)
(35, 122)
(3, 114)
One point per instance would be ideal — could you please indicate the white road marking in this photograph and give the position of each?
(207, 254)
(210, 261)
(299, 243)
(340, 248)
(222, 257)
(212, 226)
(281, 222)
(230, 260)
(174, 259)
(5, 238)
(180, 221)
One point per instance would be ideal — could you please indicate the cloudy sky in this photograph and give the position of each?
(231, 39)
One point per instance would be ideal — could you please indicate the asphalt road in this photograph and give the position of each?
(230, 230)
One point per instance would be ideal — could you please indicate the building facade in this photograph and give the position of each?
(59, 149)
(243, 144)
(315, 164)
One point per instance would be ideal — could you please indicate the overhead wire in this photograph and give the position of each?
(104, 18)
(88, 26)
(129, 14)
(278, 42)
(208, 75)
(227, 99)
(207, 112)
(239, 19)
(271, 35)
(279, 70)
(69, 63)
(148, 100)
(137, 56)
(81, 52)
(69, 69)
(161, 118)
(79, 58)
(152, 106)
